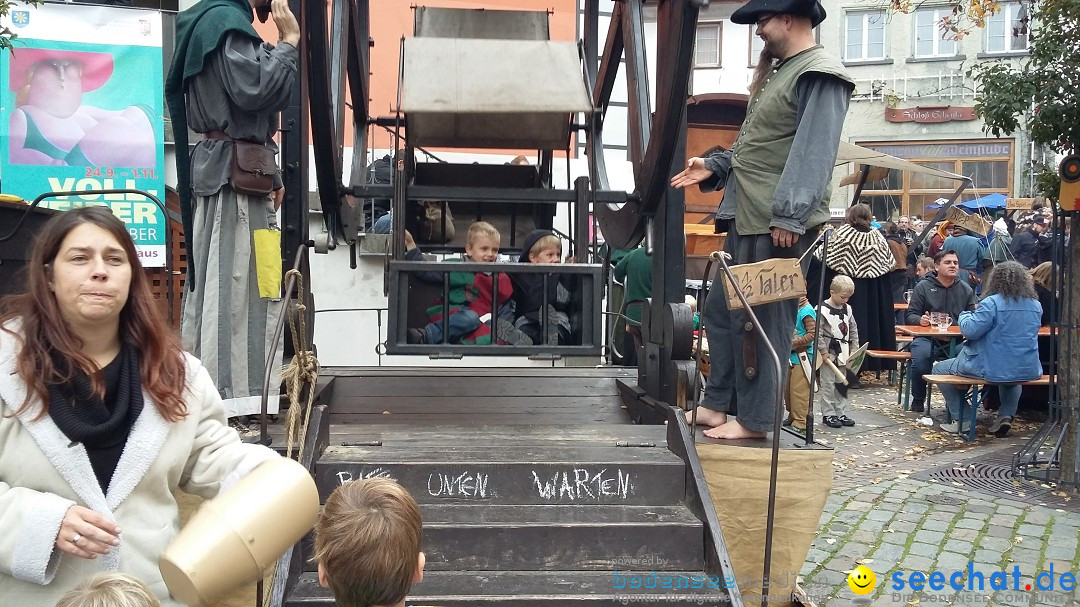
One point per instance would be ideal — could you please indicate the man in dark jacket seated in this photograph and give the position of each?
(938, 291)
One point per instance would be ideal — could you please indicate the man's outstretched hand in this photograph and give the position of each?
(694, 173)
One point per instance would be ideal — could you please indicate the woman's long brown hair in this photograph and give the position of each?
(44, 333)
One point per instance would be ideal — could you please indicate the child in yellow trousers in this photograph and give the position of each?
(797, 401)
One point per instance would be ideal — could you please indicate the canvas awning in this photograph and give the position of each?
(849, 152)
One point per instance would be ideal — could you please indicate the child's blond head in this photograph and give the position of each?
(109, 590)
(367, 543)
(842, 285)
(481, 229)
(548, 243)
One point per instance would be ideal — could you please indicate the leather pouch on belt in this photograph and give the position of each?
(253, 168)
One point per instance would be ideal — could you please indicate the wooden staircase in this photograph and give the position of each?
(533, 486)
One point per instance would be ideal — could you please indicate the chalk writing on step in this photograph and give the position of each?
(583, 484)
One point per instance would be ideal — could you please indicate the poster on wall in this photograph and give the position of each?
(81, 110)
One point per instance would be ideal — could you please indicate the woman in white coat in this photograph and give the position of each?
(103, 418)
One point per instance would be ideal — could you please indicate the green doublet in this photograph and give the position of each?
(761, 150)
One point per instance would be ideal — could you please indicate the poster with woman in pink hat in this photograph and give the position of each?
(82, 110)
(53, 124)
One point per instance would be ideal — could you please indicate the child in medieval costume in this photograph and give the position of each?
(838, 341)
(800, 371)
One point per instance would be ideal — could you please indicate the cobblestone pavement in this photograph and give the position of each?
(887, 513)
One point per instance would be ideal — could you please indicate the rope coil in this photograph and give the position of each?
(303, 369)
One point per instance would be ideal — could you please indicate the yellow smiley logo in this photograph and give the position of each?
(861, 580)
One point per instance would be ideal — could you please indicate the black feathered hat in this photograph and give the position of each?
(750, 12)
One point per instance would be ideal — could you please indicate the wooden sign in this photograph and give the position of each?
(970, 222)
(766, 281)
(1016, 204)
(931, 114)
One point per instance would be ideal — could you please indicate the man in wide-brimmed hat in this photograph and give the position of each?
(776, 180)
(51, 126)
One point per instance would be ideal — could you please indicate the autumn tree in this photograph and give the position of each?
(1041, 95)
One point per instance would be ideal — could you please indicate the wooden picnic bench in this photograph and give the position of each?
(973, 397)
(905, 359)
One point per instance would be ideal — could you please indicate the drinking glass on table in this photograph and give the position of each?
(944, 320)
(907, 296)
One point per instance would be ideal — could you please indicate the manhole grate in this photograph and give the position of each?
(992, 474)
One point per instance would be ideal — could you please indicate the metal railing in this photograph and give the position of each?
(585, 304)
(947, 86)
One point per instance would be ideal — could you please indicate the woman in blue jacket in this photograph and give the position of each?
(1001, 344)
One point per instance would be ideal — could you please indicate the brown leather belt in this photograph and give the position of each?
(223, 136)
(218, 135)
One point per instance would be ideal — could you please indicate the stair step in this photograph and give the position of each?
(545, 588)
(508, 475)
(586, 537)
(589, 537)
(490, 435)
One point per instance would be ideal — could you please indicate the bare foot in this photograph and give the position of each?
(731, 431)
(707, 417)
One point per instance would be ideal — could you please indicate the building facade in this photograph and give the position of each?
(913, 98)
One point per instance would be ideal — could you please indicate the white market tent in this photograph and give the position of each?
(849, 152)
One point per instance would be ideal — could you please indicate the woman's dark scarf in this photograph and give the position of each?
(101, 424)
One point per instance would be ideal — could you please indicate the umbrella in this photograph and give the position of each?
(990, 201)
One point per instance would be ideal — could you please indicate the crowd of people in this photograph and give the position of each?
(108, 414)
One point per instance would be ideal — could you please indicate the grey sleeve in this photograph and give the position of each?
(415, 254)
(720, 164)
(823, 105)
(256, 76)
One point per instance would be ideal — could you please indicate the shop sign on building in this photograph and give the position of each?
(930, 114)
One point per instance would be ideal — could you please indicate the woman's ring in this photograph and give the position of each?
(75, 539)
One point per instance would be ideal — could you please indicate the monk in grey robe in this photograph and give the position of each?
(229, 85)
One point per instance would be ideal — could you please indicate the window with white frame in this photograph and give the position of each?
(864, 35)
(756, 44)
(1006, 30)
(707, 45)
(930, 41)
